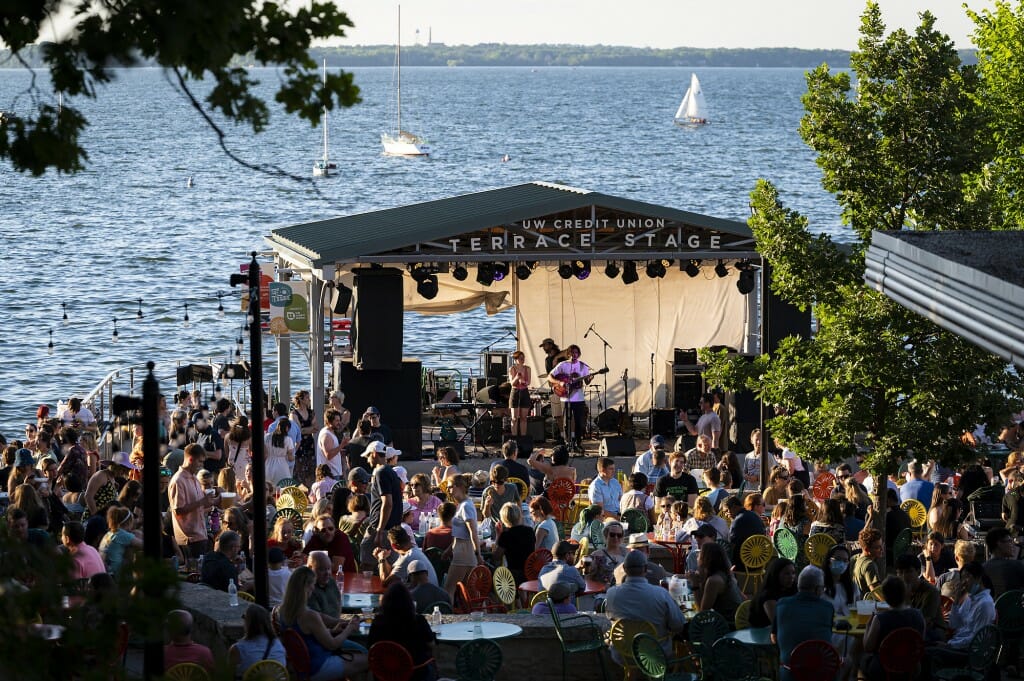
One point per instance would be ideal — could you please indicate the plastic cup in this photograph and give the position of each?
(227, 499)
(478, 616)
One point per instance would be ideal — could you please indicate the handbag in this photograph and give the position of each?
(971, 525)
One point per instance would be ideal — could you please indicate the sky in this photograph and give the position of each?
(826, 24)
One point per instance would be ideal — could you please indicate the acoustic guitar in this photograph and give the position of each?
(574, 381)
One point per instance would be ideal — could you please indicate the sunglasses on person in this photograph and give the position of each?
(30, 429)
(326, 529)
(615, 534)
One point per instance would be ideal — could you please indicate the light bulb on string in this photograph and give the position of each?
(64, 306)
(114, 336)
(238, 355)
(220, 304)
(185, 322)
(49, 347)
(138, 315)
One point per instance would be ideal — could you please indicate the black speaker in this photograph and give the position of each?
(496, 366)
(608, 420)
(395, 393)
(194, 373)
(377, 319)
(488, 430)
(525, 443)
(617, 445)
(685, 356)
(747, 418)
(234, 372)
(687, 387)
(782, 319)
(535, 428)
(341, 298)
(664, 423)
(458, 445)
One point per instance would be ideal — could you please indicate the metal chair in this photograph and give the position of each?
(592, 641)
(756, 552)
(900, 653)
(266, 670)
(246, 596)
(297, 654)
(620, 638)
(981, 655)
(444, 606)
(524, 489)
(505, 586)
(467, 600)
(391, 662)
(292, 482)
(742, 618)
(539, 597)
(1010, 622)
(732, 659)
(814, 661)
(635, 520)
(534, 562)
(706, 627)
(787, 544)
(479, 581)
(902, 543)
(478, 660)
(290, 513)
(187, 671)
(918, 516)
(823, 485)
(560, 493)
(816, 548)
(436, 558)
(651, 659)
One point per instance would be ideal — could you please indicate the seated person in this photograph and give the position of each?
(899, 615)
(182, 648)
(441, 536)
(561, 568)
(561, 594)
(779, 582)
(973, 608)
(258, 642)
(423, 592)
(221, 565)
(936, 557)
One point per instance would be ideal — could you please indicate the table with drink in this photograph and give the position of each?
(677, 549)
(474, 628)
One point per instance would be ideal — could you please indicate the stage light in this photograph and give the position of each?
(629, 275)
(460, 273)
(581, 269)
(523, 271)
(656, 269)
(485, 273)
(565, 270)
(500, 271)
(418, 273)
(745, 283)
(721, 270)
(427, 285)
(611, 270)
(692, 268)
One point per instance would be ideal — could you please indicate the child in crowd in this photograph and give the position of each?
(278, 574)
(323, 485)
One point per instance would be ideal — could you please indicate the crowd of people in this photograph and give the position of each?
(368, 513)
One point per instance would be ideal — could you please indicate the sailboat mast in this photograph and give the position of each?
(325, 115)
(398, 61)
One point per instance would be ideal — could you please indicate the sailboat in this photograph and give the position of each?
(693, 109)
(324, 166)
(402, 142)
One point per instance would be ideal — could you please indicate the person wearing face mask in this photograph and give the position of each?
(843, 593)
(973, 608)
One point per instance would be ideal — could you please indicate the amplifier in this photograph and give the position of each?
(488, 430)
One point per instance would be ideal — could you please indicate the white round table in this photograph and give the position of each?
(465, 631)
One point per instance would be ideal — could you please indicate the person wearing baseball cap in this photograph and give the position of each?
(645, 460)
(385, 505)
(704, 534)
(424, 593)
(637, 599)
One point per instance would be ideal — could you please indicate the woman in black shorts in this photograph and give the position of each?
(519, 375)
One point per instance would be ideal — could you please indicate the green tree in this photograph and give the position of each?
(191, 40)
(1000, 41)
(898, 152)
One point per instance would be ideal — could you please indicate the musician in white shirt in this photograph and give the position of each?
(570, 376)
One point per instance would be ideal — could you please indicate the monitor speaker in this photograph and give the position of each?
(608, 420)
(341, 298)
(617, 446)
(535, 428)
(377, 319)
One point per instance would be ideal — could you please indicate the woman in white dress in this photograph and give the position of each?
(279, 451)
(236, 447)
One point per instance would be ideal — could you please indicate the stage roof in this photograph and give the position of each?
(532, 221)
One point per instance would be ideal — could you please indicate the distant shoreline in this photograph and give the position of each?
(537, 56)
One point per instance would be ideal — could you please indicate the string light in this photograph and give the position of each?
(114, 336)
(49, 347)
(220, 304)
(186, 323)
(238, 346)
(138, 315)
(64, 306)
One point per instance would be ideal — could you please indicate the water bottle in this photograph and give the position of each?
(435, 617)
(232, 593)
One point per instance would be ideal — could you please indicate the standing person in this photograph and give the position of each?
(330, 444)
(465, 548)
(794, 464)
(916, 486)
(236, 447)
(569, 378)
(552, 356)
(188, 504)
(336, 401)
(708, 424)
(1003, 569)
(752, 461)
(372, 414)
(219, 427)
(385, 504)
(520, 376)
(279, 452)
(305, 455)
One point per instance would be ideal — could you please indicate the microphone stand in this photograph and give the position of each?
(487, 348)
(650, 414)
(603, 406)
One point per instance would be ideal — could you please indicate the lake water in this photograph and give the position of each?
(129, 228)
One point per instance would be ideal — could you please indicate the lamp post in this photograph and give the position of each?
(259, 471)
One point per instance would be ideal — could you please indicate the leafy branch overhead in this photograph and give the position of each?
(191, 40)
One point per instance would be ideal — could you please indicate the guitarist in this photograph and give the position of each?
(554, 355)
(569, 376)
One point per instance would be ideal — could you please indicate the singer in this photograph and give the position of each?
(519, 375)
(567, 379)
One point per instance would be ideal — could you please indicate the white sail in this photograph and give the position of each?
(401, 142)
(324, 166)
(692, 110)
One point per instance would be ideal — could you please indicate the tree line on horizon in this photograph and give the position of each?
(501, 54)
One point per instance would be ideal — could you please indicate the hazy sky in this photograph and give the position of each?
(645, 23)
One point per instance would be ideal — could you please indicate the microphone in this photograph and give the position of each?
(588, 331)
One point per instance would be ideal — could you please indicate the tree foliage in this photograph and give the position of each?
(1000, 41)
(191, 40)
(899, 152)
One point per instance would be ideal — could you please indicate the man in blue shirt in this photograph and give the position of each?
(916, 487)
(645, 461)
(638, 599)
(803, 617)
(561, 569)
(605, 491)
